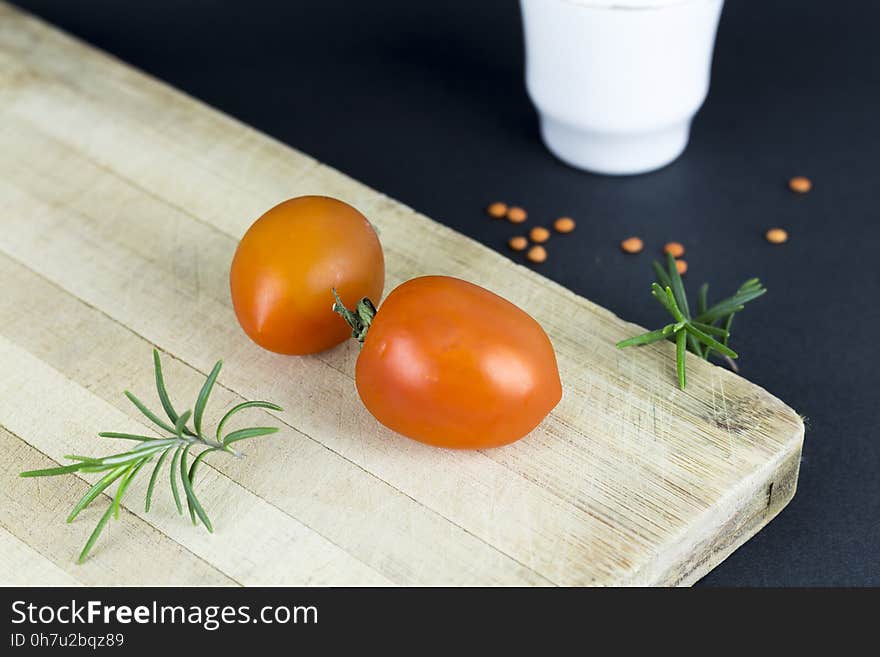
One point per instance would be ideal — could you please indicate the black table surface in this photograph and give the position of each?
(425, 101)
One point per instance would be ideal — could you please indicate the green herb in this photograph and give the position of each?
(695, 333)
(124, 466)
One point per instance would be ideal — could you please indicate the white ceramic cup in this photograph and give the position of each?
(617, 82)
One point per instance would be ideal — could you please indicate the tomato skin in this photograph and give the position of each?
(288, 261)
(448, 363)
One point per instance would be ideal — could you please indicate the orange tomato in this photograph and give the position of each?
(449, 363)
(286, 265)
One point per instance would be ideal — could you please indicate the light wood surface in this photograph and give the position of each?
(121, 201)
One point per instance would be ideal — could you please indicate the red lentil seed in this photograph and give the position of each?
(800, 184)
(632, 245)
(564, 225)
(518, 243)
(776, 236)
(497, 210)
(537, 254)
(675, 249)
(516, 215)
(539, 234)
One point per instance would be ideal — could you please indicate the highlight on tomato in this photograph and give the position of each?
(449, 363)
(289, 259)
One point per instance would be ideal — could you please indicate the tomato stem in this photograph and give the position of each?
(360, 319)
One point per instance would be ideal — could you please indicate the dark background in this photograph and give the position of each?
(425, 101)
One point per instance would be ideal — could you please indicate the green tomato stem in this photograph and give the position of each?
(359, 320)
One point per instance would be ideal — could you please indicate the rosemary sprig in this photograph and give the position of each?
(124, 466)
(695, 333)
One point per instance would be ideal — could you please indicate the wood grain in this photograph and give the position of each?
(121, 201)
(21, 565)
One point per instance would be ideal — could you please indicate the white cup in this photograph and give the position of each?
(617, 82)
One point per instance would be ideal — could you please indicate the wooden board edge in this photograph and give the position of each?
(765, 496)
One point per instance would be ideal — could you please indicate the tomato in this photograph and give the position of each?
(448, 363)
(286, 265)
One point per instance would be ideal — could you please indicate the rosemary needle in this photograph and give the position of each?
(705, 334)
(124, 466)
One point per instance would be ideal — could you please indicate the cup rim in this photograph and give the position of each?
(630, 5)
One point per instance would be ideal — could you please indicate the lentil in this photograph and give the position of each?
(516, 215)
(518, 243)
(537, 254)
(776, 236)
(539, 234)
(800, 184)
(564, 225)
(632, 245)
(497, 210)
(675, 249)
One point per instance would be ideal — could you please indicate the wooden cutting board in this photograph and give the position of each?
(121, 202)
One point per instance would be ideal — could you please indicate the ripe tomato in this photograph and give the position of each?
(286, 265)
(449, 363)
